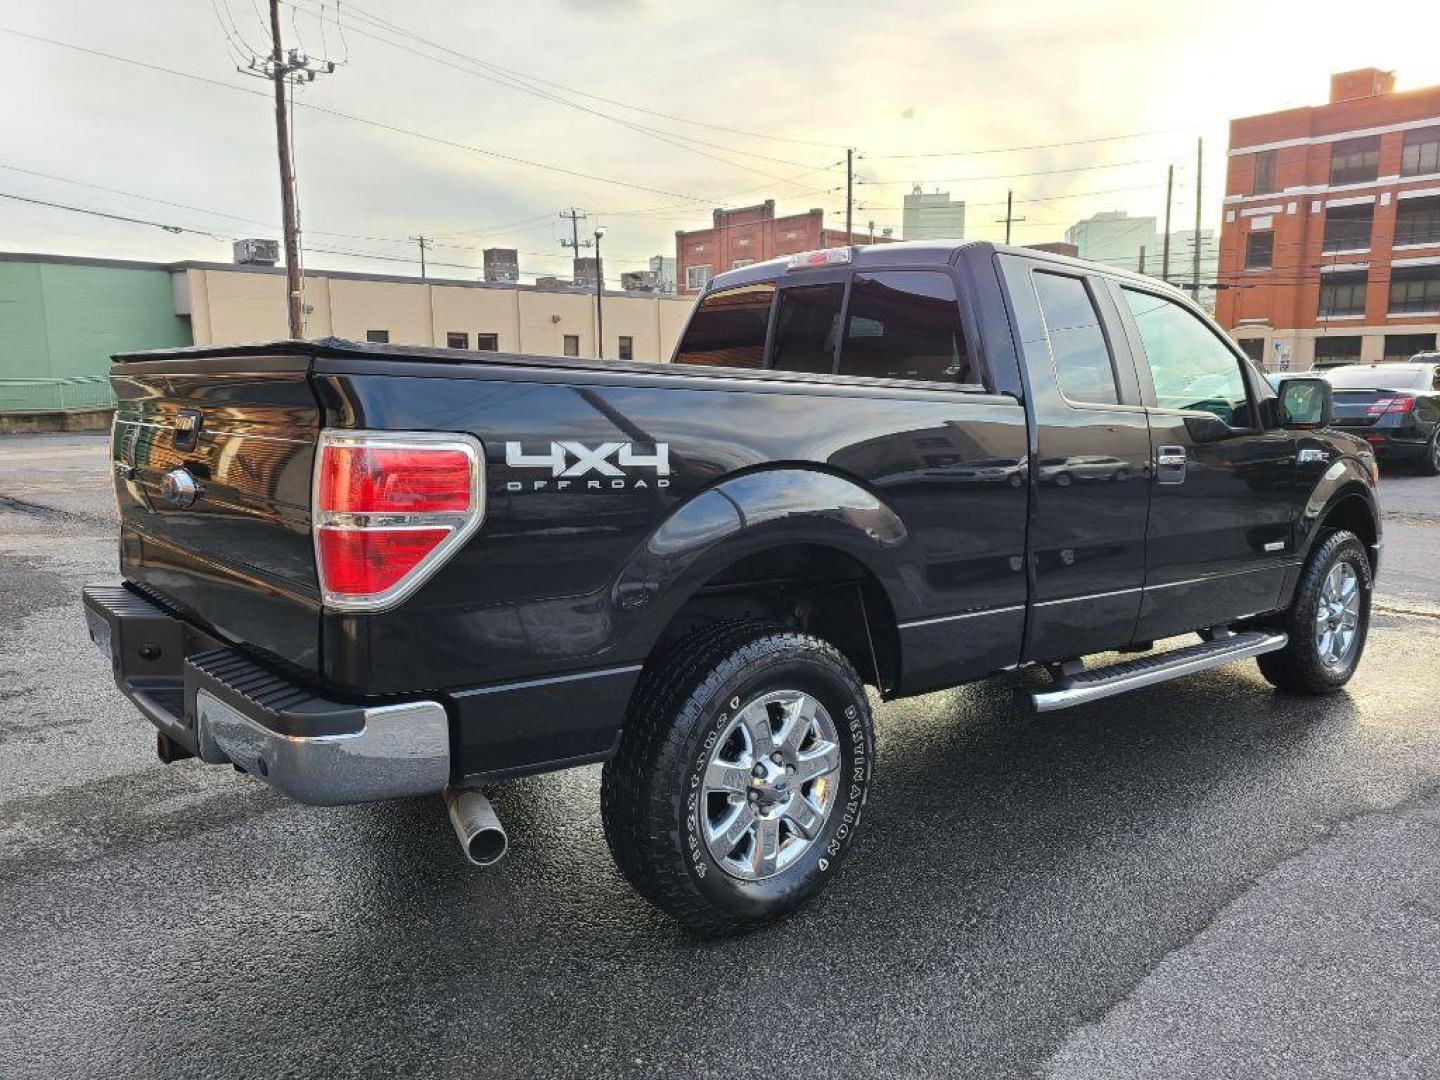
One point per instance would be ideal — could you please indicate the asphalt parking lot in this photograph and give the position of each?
(1203, 879)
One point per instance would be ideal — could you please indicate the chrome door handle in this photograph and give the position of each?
(1170, 462)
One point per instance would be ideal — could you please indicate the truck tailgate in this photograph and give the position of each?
(213, 459)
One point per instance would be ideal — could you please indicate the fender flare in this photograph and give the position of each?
(1345, 479)
(747, 514)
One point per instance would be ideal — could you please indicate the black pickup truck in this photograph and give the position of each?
(359, 572)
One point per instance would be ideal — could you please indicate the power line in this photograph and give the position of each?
(378, 124)
(1033, 146)
(1013, 176)
(396, 28)
(113, 217)
(513, 81)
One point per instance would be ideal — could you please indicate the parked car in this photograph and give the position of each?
(364, 572)
(1393, 406)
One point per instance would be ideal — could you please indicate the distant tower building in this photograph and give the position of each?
(933, 217)
(663, 267)
(1115, 238)
(501, 264)
(586, 271)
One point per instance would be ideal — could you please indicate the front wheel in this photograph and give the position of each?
(1328, 620)
(740, 776)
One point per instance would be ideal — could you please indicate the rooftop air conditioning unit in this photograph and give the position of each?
(257, 252)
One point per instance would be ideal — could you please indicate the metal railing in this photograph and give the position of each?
(55, 395)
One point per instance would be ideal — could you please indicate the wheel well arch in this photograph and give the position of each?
(804, 585)
(1353, 512)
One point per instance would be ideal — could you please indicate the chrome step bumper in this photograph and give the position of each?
(224, 708)
(1119, 678)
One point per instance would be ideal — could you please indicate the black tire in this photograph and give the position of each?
(650, 795)
(1429, 465)
(1299, 668)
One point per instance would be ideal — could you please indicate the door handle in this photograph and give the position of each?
(1170, 462)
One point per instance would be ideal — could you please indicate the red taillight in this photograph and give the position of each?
(389, 508)
(1384, 405)
(393, 480)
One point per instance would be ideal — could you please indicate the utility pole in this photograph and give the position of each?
(1009, 214)
(1165, 248)
(872, 232)
(287, 177)
(599, 298)
(575, 243)
(849, 191)
(1141, 267)
(1199, 186)
(422, 241)
(282, 68)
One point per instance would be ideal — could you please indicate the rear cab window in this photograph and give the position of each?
(728, 328)
(901, 324)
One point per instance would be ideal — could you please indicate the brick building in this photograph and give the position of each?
(1330, 245)
(747, 235)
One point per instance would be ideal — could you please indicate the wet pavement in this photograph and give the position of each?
(1201, 879)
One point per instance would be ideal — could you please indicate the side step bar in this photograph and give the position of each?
(1115, 679)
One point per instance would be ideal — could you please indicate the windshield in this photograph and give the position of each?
(1382, 377)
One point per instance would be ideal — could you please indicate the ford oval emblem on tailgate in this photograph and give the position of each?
(179, 487)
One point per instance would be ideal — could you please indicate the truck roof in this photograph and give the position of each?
(922, 253)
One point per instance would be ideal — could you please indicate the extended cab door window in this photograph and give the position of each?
(807, 327)
(905, 324)
(728, 328)
(1083, 368)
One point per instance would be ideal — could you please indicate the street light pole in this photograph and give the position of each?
(599, 297)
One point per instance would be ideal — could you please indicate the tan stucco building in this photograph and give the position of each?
(227, 304)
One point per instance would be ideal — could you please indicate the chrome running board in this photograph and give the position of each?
(1114, 679)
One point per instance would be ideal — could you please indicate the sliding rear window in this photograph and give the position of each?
(728, 328)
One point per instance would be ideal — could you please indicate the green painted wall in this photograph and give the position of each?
(59, 323)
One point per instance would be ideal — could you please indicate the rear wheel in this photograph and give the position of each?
(1429, 465)
(1328, 620)
(740, 777)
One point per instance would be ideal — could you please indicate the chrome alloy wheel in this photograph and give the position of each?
(1337, 615)
(770, 784)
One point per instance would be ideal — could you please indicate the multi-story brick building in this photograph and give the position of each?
(1330, 245)
(751, 234)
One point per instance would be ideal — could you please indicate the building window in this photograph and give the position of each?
(377, 337)
(1347, 228)
(1421, 153)
(1401, 347)
(1417, 221)
(1414, 289)
(1264, 173)
(728, 328)
(1259, 250)
(807, 328)
(738, 263)
(1078, 348)
(1343, 293)
(487, 342)
(627, 348)
(572, 344)
(1355, 161)
(457, 339)
(1254, 348)
(1330, 351)
(697, 277)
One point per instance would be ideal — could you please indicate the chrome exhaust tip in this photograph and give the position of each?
(476, 826)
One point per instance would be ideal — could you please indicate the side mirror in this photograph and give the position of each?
(1305, 403)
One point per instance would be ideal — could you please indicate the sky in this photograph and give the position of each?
(475, 123)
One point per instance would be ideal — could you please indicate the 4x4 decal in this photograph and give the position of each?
(573, 462)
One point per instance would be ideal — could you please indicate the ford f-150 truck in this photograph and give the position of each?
(369, 572)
